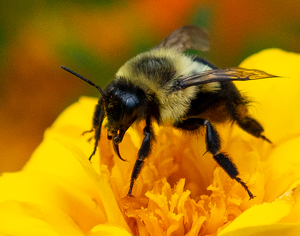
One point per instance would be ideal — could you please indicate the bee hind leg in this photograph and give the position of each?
(252, 127)
(213, 145)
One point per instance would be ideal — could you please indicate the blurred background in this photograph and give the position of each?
(95, 38)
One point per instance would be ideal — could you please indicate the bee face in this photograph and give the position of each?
(122, 110)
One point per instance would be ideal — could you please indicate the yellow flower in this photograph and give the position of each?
(180, 191)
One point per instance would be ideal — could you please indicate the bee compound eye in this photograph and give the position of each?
(130, 104)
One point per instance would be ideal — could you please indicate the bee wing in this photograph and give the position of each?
(186, 37)
(219, 75)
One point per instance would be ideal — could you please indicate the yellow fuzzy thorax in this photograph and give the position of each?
(175, 103)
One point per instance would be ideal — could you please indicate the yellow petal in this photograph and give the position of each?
(282, 169)
(275, 100)
(79, 202)
(112, 210)
(261, 215)
(23, 218)
(269, 230)
(108, 230)
(70, 125)
(294, 215)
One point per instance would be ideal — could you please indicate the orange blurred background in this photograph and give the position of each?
(95, 38)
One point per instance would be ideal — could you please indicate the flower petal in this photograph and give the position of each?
(80, 202)
(263, 216)
(24, 218)
(112, 210)
(282, 169)
(276, 100)
(263, 230)
(108, 230)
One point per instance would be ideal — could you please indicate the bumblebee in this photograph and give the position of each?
(166, 86)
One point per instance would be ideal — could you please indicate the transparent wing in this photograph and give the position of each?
(186, 37)
(219, 75)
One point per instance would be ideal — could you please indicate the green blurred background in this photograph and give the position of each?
(95, 38)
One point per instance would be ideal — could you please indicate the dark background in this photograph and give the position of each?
(95, 38)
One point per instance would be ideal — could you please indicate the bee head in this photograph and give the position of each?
(121, 103)
(122, 108)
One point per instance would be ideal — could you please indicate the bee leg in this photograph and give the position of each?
(144, 152)
(87, 131)
(252, 127)
(237, 108)
(97, 138)
(97, 123)
(213, 145)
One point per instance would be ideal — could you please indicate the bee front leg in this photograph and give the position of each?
(144, 152)
(213, 145)
(97, 138)
(97, 123)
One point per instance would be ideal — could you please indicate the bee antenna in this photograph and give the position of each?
(84, 79)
